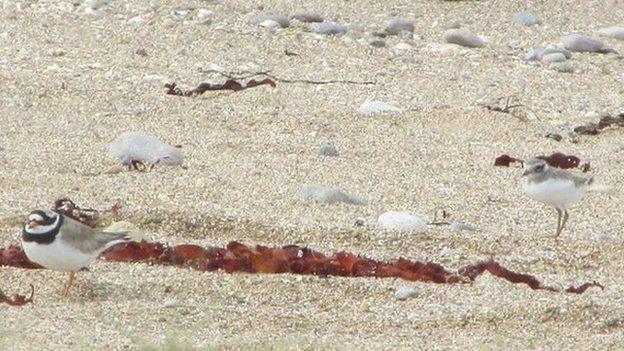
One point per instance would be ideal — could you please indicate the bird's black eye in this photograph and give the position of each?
(539, 168)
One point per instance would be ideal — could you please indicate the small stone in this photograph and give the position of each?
(270, 24)
(328, 28)
(141, 52)
(172, 303)
(404, 293)
(283, 21)
(204, 16)
(401, 221)
(326, 195)
(307, 16)
(181, 12)
(136, 21)
(452, 25)
(554, 57)
(552, 50)
(464, 38)
(563, 67)
(378, 43)
(447, 251)
(96, 4)
(400, 47)
(527, 19)
(554, 136)
(582, 43)
(533, 55)
(328, 150)
(406, 35)
(457, 226)
(396, 26)
(374, 106)
(612, 32)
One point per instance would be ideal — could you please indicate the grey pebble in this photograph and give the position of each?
(457, 226)
(464, 38)
(172, 303)
(583, 43)
(527, 19)
(405, 35)
(378, 43)
(554, 57)
(551, 50)
(283, 21)
(397, 25)
(328, 28)
(328, 150)
(326, 195)
(612, 32)
(307, 16)
(404, 293)
(563, 67)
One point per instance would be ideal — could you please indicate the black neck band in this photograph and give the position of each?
(43, 238)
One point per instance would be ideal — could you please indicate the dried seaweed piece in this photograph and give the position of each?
(230, 84)
(134, 252)
(237, 257)
(581, 289)
(604, 122)
(17, 299)
(87, 216)
(562, 161)
(14, 256)
(473, 271)
(505, 160)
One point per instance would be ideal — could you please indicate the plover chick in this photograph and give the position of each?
(556, 187)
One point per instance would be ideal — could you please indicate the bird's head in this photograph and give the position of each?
(41, 221)
(535, 166)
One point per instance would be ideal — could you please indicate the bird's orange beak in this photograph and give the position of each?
(32, 225)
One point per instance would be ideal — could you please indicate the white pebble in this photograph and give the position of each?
(143, 147)
(136, 21)
(464, 38)
(270, 24)
(374, 106)
(401, 221)
(405, 292)
(204, 16)
(172, 303)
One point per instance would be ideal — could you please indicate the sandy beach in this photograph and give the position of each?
(74, 78)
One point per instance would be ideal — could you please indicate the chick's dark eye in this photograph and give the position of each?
(539, 168)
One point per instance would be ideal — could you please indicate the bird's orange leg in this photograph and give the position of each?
(66, 289)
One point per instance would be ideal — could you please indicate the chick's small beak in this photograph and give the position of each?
(526, 172)
(32, 225)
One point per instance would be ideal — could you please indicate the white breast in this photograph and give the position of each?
(57, 255)
(559, 193)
